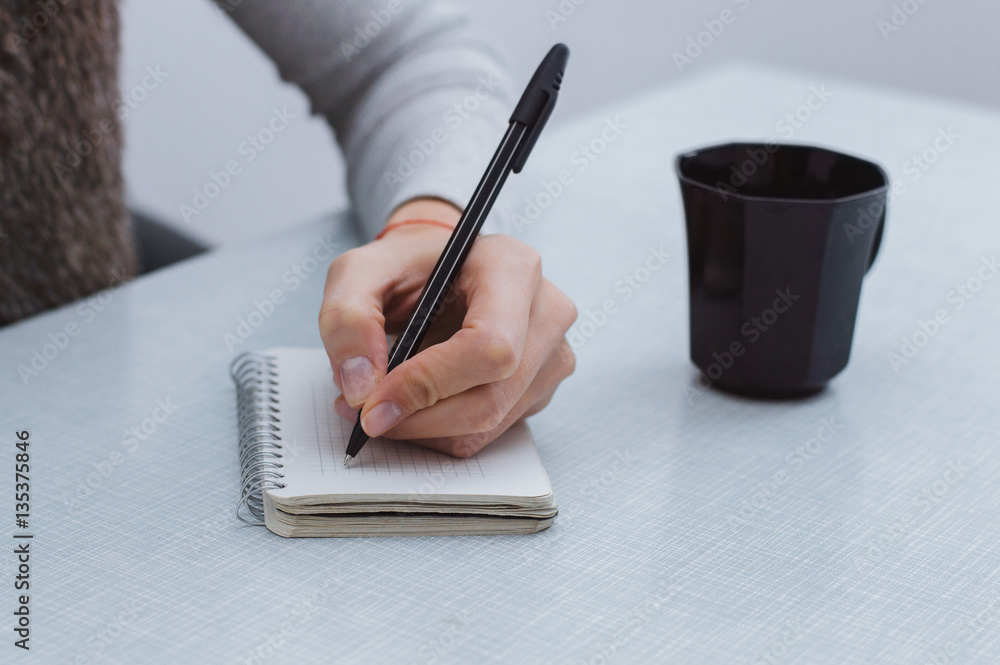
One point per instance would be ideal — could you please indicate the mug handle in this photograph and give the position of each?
(877, 242)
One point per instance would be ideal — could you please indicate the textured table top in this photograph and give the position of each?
(857, 526)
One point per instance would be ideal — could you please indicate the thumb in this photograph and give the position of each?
(352, 324)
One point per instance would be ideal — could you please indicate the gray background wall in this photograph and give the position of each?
(214, 88)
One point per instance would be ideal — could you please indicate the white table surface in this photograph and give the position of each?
(879, 546)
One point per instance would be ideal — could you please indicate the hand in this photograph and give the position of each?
(495, 354)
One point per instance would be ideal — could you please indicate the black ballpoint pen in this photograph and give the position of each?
(526, 123)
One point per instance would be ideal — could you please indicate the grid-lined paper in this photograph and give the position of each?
(315, 439)
(380, 456)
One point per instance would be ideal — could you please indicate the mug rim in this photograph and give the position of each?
(736, 194)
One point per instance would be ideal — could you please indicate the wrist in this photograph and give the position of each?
(413, 224)
(437, 211)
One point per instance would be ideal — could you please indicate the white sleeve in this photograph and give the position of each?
(418, 101)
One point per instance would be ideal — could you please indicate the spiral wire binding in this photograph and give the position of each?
(260, 445)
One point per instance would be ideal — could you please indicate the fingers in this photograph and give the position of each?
(430, 427)
(352, 325)
(365, 287)
(461, 425)
(344, 409)
(499, 282)
(352, 322)
(504, 362)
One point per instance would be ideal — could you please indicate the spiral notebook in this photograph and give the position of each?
(292, 445)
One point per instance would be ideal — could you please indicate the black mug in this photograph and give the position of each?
(779, 238)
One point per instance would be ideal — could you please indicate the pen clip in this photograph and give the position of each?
(538, 100)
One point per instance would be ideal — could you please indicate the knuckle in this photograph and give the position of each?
(515, 251)
(468, 445)
(539, 406)
(532, 258)
(563, 307)
(491, 408)
(344, 262)
(340, 314)
(418, 389)
(566, 358)
(529, 262)
(568, 307)
(502, 356)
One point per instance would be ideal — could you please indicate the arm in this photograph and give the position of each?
(417, 100)
(419, 109)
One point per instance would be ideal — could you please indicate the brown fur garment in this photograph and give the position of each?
(64, 229)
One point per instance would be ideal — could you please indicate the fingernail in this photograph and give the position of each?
(357, 377)
(381, 418)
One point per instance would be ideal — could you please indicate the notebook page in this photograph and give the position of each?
(315, 440)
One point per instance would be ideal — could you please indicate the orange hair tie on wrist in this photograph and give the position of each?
(406, 222)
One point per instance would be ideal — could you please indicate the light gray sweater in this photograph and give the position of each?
(417, 99)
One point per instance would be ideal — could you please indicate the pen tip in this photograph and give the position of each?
(347, 460)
